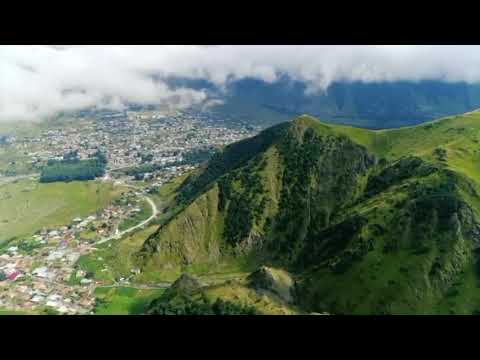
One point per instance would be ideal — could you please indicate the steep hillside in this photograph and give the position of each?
(367, 221)
(253, 196)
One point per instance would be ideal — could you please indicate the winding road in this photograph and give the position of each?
(139, 225)
(164, 285)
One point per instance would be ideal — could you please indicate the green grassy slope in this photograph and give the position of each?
(458, 135)
(124, 300)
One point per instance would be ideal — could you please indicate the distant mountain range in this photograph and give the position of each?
(366, 222)
(369, 105)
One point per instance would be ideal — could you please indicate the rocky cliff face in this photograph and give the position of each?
(276, 281)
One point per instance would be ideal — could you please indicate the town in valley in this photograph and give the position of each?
(144, 150)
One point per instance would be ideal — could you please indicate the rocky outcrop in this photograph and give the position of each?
(276, 281)
(186, 284)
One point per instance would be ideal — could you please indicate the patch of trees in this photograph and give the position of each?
(300, 162)
(10, 172)
(28, 246)
(245, 207)
(320, 177)
(71, 157)
(377, 229)
(71, 168)
(198, 156)
(341, 241)
(201, 307)
(231, 157)
(50, 311)
(440, 154)
(477, 267)
(139, 171)
(432, 212)
(341, 262)
(444, 207)
(403, 169)
(146, 158)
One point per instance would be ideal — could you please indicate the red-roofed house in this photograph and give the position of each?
(13, 276)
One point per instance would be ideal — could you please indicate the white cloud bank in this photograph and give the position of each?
(38, 81)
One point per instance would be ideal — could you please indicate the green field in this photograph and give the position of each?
(22, 128)
(116, 256)
(13, 162)
(35, 128)
(14, 312)
(136, 218)
(27, 206)
(124, 300)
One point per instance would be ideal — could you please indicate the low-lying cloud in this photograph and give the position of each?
(40, 81)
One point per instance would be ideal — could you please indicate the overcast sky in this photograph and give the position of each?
(39, 81)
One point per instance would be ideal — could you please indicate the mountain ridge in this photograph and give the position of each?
(369, 105)
(329, 203)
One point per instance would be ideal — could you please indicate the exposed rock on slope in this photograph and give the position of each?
(276, 281)
(185, 284)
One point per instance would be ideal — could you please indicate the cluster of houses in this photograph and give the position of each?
(165, 175)
(41, 280)
(130, 138)
(6, 139)
(40, 275)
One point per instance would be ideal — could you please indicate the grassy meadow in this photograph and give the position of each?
(124, 300)
(27, 206)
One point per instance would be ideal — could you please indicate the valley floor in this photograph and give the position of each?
(39, 266)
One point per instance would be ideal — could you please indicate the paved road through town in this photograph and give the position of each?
(138, 226)
(164, 285)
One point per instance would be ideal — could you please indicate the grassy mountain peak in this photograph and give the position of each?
(366, 221)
